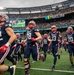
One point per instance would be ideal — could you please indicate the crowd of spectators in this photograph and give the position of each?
(68, 22)
(42, 14)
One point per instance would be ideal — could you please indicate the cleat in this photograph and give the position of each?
(72, 66)
(53, 68)
(12, 70)
(58, 56)
(27, 73)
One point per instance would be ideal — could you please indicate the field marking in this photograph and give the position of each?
(41, 69)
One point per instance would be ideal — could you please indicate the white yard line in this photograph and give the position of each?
(41, 69)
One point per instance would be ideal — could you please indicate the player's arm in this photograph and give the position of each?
(59, 38)
(24, 41)
(49, 39)
(41, 44)
(20, 41)
(11, 33)
(39, 37)
(66, 39)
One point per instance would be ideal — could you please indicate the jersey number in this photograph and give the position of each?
(70, 39)
(53, 38)
(28, 35)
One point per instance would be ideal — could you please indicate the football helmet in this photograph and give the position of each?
(31, 24)
(3, 17)
(53, 28)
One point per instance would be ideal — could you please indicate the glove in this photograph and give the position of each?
(33, 39)
(3, 48)
(73, 42)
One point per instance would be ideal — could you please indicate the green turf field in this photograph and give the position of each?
(63, 64)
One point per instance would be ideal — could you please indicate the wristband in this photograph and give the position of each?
(7, 44)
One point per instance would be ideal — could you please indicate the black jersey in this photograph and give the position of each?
(4, 37)
(18, 40)
(54, 37)
(45, 41)
(70, 38)
(31, 34)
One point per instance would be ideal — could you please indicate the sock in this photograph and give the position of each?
(9, 68)
(55, 59)
(71, 60)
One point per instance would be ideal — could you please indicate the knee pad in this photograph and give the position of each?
(26, 63)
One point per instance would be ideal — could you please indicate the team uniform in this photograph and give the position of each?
(45, 47)
(18, 49)
(70, 38)
(31, 48)
(5, 49)
(54, 45)
(54, 37)
(45, 44)
(11, 54)
(70, 42)
(31, 45)
(32, 36)
(65, 46)
(3, 40)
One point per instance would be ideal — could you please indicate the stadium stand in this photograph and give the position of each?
(61, 14)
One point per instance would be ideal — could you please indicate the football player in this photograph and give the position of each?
(10, 54)
(18, 46)
(70, 43)
(7, 36)
(54, 36)
(60, 44)
(45, 45)
(33, 36)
